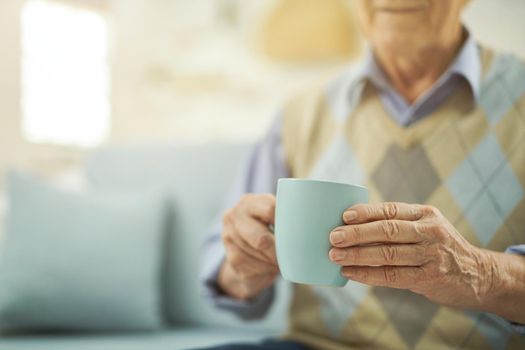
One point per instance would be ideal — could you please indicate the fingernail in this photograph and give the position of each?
(349, 215)
(337, 254)
(337, 236)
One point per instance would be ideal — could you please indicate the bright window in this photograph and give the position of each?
(65, 74)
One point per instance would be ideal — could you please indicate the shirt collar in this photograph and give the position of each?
(467, 64)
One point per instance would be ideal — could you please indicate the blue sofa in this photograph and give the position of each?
(196, 178)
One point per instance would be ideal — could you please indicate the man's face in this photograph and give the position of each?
(409, 23)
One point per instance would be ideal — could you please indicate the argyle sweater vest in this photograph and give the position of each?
(467, 159)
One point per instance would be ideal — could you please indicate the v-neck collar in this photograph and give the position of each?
(466, 67)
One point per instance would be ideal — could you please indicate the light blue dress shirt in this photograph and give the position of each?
(266, 163)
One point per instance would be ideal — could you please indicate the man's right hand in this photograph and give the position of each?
(251, 264)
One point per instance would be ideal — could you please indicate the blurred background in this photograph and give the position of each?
(77, 74)
(148, 94)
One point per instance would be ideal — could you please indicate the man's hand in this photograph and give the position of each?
(251, 263)
(413, 247)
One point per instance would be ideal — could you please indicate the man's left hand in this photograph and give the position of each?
(411, 246)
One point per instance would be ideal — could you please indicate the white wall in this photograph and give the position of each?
(181, 75)
(10, 141)
(498, 23)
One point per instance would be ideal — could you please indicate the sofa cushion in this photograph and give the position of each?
(80, 261)
(197, 179)
(177, 339)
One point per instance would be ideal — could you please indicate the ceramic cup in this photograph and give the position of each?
(305, 214)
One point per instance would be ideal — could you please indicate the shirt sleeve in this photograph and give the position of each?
(520, 250)
(259, 173)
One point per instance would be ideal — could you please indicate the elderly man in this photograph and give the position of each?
(434, 126)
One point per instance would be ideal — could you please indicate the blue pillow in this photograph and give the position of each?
(81, 262)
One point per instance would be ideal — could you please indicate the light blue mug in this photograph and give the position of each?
(306, 212)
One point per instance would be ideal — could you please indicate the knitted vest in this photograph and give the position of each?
(466, 159)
